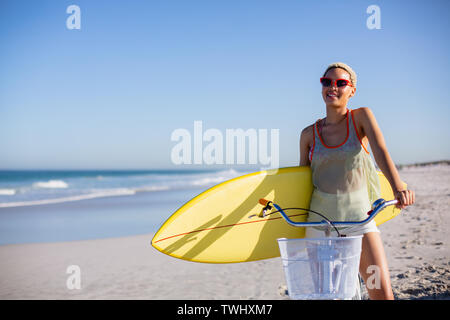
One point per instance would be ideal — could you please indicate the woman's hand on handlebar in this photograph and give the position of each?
(405, 198)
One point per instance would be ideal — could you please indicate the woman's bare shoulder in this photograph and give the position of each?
(307, 137)
(308, 132)
(362, 113)
(364, 116)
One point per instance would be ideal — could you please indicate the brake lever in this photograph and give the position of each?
(266, 208)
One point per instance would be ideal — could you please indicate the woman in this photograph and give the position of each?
(344, 176)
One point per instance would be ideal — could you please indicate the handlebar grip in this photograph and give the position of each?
(264, 202)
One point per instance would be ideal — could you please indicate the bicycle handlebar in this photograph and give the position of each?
(377, 207)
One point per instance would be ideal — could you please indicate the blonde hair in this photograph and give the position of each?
(344, 66)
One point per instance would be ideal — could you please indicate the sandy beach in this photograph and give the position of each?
(416, 244)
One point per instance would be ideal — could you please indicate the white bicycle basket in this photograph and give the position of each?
(321, 268)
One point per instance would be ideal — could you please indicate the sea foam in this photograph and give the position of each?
(101, 194)
(51, 184)
(7, 192)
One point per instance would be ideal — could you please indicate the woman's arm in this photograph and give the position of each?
(306, 142)
(369, 128)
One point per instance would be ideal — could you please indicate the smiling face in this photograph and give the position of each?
(334, 96)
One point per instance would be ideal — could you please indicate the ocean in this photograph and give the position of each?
(67, 205)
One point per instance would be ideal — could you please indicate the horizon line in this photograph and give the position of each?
(203, 168)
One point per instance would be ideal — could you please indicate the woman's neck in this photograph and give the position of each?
(335, 115)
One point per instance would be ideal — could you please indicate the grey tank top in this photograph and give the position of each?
(344, 177)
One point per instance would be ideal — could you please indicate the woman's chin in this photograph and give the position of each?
(334, 103)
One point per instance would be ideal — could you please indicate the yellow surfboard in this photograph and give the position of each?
(222, 224)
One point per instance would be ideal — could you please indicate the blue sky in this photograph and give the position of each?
(110, 94)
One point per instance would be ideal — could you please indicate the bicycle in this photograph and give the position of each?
(323, 268)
